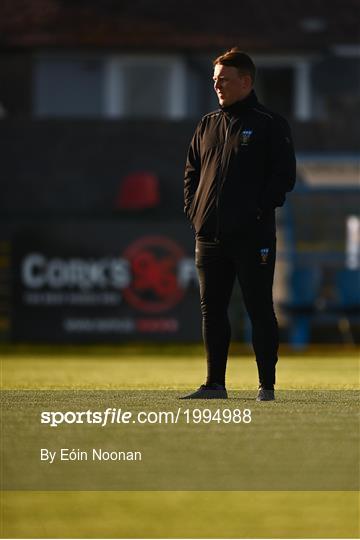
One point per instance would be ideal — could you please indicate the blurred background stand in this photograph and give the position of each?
(98, 104)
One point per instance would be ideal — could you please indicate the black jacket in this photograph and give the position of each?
(239, 167)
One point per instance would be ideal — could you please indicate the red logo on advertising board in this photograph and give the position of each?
(154, 286)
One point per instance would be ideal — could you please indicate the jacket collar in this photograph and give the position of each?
(237, 108)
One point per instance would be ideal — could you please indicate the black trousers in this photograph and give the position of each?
(251, 260)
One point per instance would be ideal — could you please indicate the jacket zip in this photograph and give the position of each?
(221, 181)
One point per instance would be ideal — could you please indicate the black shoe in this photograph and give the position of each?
(211, 391)
(265, 395)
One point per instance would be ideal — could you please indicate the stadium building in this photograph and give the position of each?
(98, 102)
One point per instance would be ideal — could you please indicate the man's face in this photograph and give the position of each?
(230, 85)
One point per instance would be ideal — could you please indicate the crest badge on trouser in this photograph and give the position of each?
(264, 253)
(245, 136)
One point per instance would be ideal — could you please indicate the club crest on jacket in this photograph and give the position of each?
(245, 136)
(264, 253)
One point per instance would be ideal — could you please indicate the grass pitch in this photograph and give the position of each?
(188, 514)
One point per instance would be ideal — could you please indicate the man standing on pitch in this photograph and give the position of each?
(239, 167)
